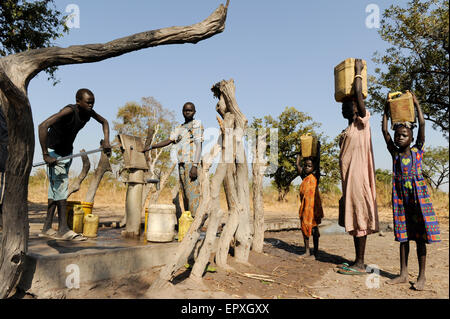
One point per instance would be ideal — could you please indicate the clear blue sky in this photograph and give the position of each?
(279, 53)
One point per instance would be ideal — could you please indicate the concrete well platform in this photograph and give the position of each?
(50, 262)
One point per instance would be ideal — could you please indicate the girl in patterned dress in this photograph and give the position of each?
(414, 217)
(310, 212)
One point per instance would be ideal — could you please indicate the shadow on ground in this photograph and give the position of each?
(323, 256)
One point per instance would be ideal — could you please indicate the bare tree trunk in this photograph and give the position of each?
(243, 233)
(211, 233)
(234, 206)
(190, 239)
(282, 192)
(258, 168)
(17, 110)
(232, 223)
(216, 213)
(16, 71)
(243, 236)
(103, 167)
(75, 185)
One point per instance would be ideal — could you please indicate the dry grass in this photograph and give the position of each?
(112, 193)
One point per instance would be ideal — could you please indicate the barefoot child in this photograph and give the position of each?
(414, 217)
(310, 212)
(58, 133)
(357, 167)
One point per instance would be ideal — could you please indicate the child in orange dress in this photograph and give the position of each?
(310, 212)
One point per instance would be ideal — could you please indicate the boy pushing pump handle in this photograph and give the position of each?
(58, 133)
(76, 155)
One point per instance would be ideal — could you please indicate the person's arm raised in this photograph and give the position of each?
(358, 88)
(384, 128)
(420, 141)
(318, 161)
(299, 167)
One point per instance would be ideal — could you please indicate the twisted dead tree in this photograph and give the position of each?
(102, 167)
(259, 166)
(187, 245)
(232, 164)
(16, 72)
(236, 182)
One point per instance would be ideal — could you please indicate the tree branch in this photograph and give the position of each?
(103, 167)
(75, 186)
(11, 91)
(41, 59)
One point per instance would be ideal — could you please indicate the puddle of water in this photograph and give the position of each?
(332, 229)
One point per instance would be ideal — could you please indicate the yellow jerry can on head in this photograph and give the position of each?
(344, 76)
(184, 222)
(401, 106)
(308, 145)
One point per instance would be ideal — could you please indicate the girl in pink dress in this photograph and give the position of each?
(358, 203)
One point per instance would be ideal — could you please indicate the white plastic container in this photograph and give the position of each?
(161, 223)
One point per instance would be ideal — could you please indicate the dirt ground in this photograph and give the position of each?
(281, 272)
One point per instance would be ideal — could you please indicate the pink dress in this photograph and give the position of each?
(358, 178)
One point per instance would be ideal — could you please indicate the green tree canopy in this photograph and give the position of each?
(134, 119)
(291, 124)
(26, 25)
(329, 165)
(418, 59)
(436, 166)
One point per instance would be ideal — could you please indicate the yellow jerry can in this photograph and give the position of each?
(344, 76)
(309, 145)
(90, 227)
(401, 106)
(78, 215)
(184, 222)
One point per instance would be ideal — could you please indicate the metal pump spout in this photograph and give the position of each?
(154, 181)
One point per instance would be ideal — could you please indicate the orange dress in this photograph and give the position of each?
(310, 212)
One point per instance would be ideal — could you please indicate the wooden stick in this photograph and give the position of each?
(75, 185)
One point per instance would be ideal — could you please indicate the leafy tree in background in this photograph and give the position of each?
(28, 25)
(134, 119)
(291, 124)
(418, 59)
(384, 187)
(436, 166)
(329, 165)
(383, 176)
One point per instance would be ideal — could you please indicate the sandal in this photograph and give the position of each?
(350, 271)
(50, 233)
(343, 265)
(73, 236)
